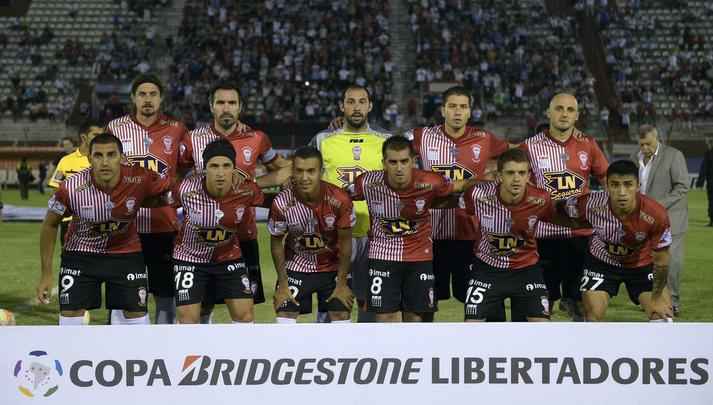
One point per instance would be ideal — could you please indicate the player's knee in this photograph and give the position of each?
(537, 319)
(290, 315)
(133, 315)
(244, 316)
(388, 317)
(339, 315)
(72, 314)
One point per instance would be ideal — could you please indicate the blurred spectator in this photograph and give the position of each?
(24, 178)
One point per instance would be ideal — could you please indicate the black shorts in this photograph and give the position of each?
(401, 286)
(158, 250)
(251, 255)
(302, 285)
(600, 276)
(63, 228)
(228, 280)
(562, 261)
(451, 265)
(81, 276)
(489, 286)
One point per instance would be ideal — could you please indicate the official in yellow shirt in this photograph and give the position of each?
(74, 163)
(348, 152)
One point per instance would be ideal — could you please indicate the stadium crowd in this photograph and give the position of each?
(291, 57)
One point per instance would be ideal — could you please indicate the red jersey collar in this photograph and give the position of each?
(235, 133)
(161, 118)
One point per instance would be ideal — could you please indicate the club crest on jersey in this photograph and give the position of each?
(647, 218)
(247, 154)
(583, 160)
(239, 212)
(476, 153)
(356, 152)
(504, 244)
(420, 205)
(431, 298)
(329, 221)
(167, 144)
(640, 236)
(347, 175)
(531, 222)
(545, 305)
(452, 172)
(130, 204)
(563, 184)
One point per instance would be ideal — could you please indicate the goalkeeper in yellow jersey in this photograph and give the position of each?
(348, 152)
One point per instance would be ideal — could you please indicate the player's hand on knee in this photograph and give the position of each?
(661, 307)
(344, 294)
(282, 297)
(43, 290)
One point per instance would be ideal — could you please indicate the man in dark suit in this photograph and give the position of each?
(705, 175)
(663, 176)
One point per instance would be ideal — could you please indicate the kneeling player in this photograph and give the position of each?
(630, 244)
(401, 278)
(102, 244)
(506, 263)
(311, 227)
(207, 252)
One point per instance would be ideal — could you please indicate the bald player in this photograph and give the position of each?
(562, 159)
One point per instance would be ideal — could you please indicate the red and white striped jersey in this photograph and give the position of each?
(210, 226)
(456, 159)
(312, 230)
(105, 222)
(623, 242)
(563, 170)
(251, 147)
(400, 220)
(156, 148)
(507, 232)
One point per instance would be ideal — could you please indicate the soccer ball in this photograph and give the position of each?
(7, 318)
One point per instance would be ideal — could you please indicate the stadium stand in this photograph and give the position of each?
(292, 59)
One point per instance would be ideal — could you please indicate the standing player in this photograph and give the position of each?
(252, 147)
(349, 151)
(632, 235)
(152, 140)
(102, 243)
(399, 197)
(506, 263)
(208, 249)
(456, 151)
(74, 163)
(311, 228)
(562, 159)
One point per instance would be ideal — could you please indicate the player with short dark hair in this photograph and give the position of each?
(351, 147)
(74, 163)
(311, 227)
(102, 243)
(152, 140)
(207, 255)
(505, 259)
(401, 280)
(455, 150)
(252, 147)
(632, 235)
(562, 160)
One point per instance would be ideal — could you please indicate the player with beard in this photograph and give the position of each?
(152, 140)
(348, 151)
(457, 151)
(562, 160)
(252, 147)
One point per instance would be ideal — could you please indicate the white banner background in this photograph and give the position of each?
(426, 341)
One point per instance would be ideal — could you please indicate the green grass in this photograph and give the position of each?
(20, 268)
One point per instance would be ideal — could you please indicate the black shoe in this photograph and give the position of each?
(676, 310)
